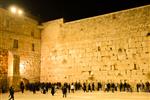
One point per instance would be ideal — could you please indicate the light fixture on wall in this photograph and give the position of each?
(16, 10)
(20, 12)
(13, 9)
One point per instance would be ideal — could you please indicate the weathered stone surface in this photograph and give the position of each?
(3, 68)
(110, 47)
(26, 32)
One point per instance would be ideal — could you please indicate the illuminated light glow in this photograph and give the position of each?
(20, 12)
(22, 67)
(10, 64)
(16, 10)
(13, 9)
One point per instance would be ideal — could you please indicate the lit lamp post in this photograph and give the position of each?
(20, 12)
(13, 9)
(16, 10)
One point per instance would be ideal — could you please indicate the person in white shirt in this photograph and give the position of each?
(72, 88)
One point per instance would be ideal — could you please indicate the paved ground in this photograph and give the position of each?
(80, 95)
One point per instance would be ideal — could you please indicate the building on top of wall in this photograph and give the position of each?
(108, 48)
(20, 52)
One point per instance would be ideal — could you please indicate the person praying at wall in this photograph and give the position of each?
(93, 87)
(113, 87)
(44, 90)
(89, 88)
(53, 90)
(69, 88)
(64, 91)
(121, 86)
(84, 87)
(72, 88)
(105, 88)
(22, 87)
(33, 88)
(11, 93)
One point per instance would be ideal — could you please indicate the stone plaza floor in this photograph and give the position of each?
(79, 95)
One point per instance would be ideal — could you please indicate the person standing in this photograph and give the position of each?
(108, 87)
(33, 88)
(93, 87)
(84, 87)
(22, 87)
(113, 87)
(121, 86)
(11, 93)
(98, 86)
(64, 91)
(72, 88)
(105, 88)
(69, 87)
(89, 87)
(44, 90)
(53, 90)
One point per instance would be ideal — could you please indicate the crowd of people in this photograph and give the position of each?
(85, 86)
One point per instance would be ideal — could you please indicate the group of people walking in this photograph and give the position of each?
(85, 86)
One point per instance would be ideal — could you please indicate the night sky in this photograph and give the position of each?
(46, 10)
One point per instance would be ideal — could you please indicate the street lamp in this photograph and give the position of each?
(13, 9)
(20, 12)
(16, 10)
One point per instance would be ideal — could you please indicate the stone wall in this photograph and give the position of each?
(21, 29)
(110, 47)
(3, 68)
(48, 42)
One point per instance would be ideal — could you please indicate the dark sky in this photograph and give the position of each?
(46, 10)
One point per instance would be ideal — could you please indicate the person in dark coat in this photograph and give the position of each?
(93, 87)
(3, 89)
(69, 87)
(147, 84)
(44, 90)
(108, 87)
(89, 87)
(121, 86)
(64, 91)
(33, 88)
(11, 93)
(52, 90)
(22, 87)
(84, 87)
(113, 87)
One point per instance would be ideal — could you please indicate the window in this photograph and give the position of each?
(33, 49)
(15, 44)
